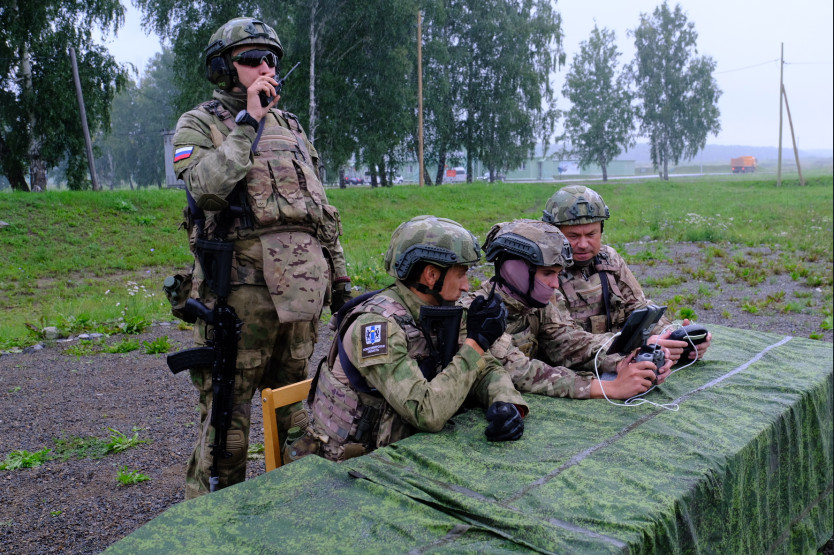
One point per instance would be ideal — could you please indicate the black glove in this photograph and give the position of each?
(486, 320)
(505, 422)
(340, 294)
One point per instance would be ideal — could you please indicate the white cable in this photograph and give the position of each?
(636, 400)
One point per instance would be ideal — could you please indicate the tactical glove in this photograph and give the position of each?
(340, 294)
(486, 320)
(505, 422)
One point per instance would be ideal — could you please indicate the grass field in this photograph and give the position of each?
(84, 261)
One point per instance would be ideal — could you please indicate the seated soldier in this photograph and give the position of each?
(601, 305)
(403, 362)
(528, 256)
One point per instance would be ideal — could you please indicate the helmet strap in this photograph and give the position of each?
(434, 291)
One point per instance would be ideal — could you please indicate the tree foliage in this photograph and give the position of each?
(677, 92)
(486, 89)
(600, 122)
(132, 151)
(39, 116)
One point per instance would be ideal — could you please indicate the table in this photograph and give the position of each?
(742, 465)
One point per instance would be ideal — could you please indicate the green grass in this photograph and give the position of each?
(95, 261)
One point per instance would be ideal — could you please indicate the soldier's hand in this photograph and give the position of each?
(340, 294)
(486, 320)
(675, 347)
(504, 422)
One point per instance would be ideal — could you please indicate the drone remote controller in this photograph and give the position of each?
(654, 354)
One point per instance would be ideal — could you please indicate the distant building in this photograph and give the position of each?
(170, 178)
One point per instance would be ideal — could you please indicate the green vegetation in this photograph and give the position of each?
(25, 459)
(160, 345)
(76, 447)
(86, 262)
(127, 477)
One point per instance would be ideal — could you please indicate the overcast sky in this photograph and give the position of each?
(743, 37)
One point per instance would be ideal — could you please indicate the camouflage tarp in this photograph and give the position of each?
(744, 466)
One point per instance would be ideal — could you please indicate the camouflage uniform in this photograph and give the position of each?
(582, 292)
(542, 349)
(581, 284)
(384, 383)
(283, 266)
(405, 401)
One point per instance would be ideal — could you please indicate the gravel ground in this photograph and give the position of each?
(77, 505)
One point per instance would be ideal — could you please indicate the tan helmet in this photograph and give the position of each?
(575, 205)
(234, 33)
(438, 241)
(537, 242)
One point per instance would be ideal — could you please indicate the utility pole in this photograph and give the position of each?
(781, 75)
(420, 93)
(84, 126)
(793, 136)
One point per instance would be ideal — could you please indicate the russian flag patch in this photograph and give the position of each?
(182, 153)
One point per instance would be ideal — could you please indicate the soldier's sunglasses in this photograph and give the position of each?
(254, 58)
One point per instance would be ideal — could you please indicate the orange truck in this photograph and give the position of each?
(743, 164)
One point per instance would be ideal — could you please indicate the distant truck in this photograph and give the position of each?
(743, 164)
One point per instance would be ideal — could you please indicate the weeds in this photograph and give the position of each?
(24, 459)
(160, 345)
(119, 441)
(127, 477)
(124, 346)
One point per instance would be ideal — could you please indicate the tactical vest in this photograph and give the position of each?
(584, 296)
(338, 408)
(283, 189)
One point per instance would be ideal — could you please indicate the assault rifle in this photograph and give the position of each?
(220, 351)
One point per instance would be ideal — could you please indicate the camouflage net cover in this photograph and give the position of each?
(744, 466)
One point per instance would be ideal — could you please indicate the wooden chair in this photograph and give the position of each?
(274, 399)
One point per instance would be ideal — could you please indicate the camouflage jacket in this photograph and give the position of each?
(385, 345)
(582, 290)
(293, 247)
(544, 351)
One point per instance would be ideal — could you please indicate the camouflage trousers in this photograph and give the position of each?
(270, 354)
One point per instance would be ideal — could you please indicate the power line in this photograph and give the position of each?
(748, 67)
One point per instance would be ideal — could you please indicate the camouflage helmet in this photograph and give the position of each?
(575, 205)
(438, 241)
(537, 242)
(237, 32)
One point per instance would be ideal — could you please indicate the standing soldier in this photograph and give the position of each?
(599, 289)
(241, 156)
(403, 362)
(529, 256)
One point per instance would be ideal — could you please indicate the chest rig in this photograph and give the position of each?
(354, 417)
(283, 190)
(593, 296)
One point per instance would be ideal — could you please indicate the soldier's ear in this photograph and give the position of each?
(430, 275)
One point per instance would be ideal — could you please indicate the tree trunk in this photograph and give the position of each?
(441, 167)
(426, 177)
(383, 173)
(314, 6)
(342, 183)
(37, 168)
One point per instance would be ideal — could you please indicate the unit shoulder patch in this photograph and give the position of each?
(374, 340)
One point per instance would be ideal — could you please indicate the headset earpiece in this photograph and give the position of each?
(219, 72)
